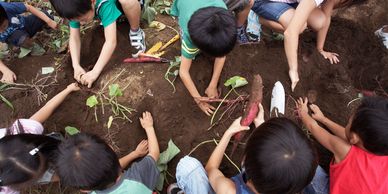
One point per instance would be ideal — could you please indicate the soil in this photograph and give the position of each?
(363, 67)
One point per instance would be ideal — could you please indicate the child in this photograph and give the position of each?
(292, 17)
(16, 29)
(107, 11)
(26, 164)
(278, 159)
(360, 149)
(382, 33)
(86, 162)
(209, 26)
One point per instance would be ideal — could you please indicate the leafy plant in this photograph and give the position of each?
(164, 158)
(173, 71)
(4, 99)
(71, 130)
(92, 102)
(234, 82)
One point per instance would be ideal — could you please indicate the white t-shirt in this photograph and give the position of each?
(318, 2)
(29, 126)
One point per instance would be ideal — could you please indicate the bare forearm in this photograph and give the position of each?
(184, 73)
(38, 13)
(215, 159)
(47, 110)
(3, 67)
(153, 146)
(322, 33)
(217, 69)
(337, 129)
(75, 46)
(105, 55)
(126, 160)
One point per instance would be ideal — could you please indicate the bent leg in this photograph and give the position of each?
(132, 10)
(316, 19)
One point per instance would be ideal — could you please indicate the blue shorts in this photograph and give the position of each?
(271, 10)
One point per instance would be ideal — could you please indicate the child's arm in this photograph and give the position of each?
(141, 150)
(337, 129)
(336, 145)
(45, 112)
(42, 16)
(327, 9)
(106, 53)
(184, 73)
(75, 52)
(291, 38)
(8, 75)
(148, 124)
(211, 90)
(217, 179)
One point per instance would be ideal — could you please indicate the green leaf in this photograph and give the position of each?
(92, 101)
(115, 91)
(24, 52)
(149, 12)
(236, 81)
(5, 100)
(110, 122)
(3, 86)
(165, 157)
(71, 130)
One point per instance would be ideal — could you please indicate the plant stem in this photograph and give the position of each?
(218, 107)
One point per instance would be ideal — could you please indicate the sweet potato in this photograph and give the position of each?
(250, 113)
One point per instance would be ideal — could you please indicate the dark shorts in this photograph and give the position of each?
(236, 5)
(32, 25)
(271, 10)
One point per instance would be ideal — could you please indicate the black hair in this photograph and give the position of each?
(19, 164)
(3, 15)
(370, 123)
(279, 157)
(71, 9)
(213, 30)
(86, 162)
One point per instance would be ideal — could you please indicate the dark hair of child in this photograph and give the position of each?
(213, 30)
(3, 15)
(370, 123)
(25, 157)
(86, 162)
(280, 158)
(71, 9)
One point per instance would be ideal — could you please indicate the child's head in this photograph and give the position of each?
(369, 125)
(279, 157)
(78, 10)
(24, 158)
(3, 19)
(213, 30)
(86, 162)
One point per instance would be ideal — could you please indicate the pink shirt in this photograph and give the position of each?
(359, 173)
(317, 2)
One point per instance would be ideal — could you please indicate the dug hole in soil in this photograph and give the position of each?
(363, 66)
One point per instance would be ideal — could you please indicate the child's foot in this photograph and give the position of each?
(174, 189)
(242, 37)
(137, 42)
(383, 35)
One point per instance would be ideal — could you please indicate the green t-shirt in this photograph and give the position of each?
(184, 9)
(129, 187)
(106, 11)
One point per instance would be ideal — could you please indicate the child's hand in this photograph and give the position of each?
(211, 92)
(142, 148)
(332, 57)
(260, 116)
(206, 108)
(317, 113)
(147, 121)
(78, 73)
(89, 78)
(73, 87)
(52, 24)
(302, 106)
(236, 127)
(294, 76)
(8, 77)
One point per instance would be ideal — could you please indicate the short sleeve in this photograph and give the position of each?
(188, 50)
(74, 24)
(318, 2)
(14, 8)
(174, 9)
(29, 126)
(145, 171)
(108, 13)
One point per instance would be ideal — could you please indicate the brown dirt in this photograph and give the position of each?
(363, 66)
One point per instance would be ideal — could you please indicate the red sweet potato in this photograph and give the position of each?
(250, 113)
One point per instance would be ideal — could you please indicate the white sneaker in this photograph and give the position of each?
(137, 40)
(383, 35)
(278, 101)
